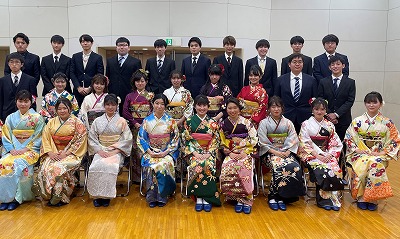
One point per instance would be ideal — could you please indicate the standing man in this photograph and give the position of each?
(321, 62)
(296, 89)
(340, 92)
(159, 69)
(297, 43)
(31, 61)
(233, 65)
(195, 67)
(119, 70)
(267, 65)
(53, 63)
(84, 65)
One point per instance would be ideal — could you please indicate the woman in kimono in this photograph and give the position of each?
(202, 142)
(255, 97)
(238, 139)
(137, 106)
(21, 136)
(158, 140)
(372, 140)
(320, 148)
(110, 141)
(279, 143)
(60, 81)
(180, 105)
(93, 104)
(217, 92)
(64, 142)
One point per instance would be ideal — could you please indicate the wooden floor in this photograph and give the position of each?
(130, 217)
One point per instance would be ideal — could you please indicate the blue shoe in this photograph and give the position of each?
(282, 206)
(362, 205)
(372, 206)
(60, 203)
(198, 207)
(274, 206)
(3, 206)
(207, 207)
(97, 202)
(105, 202)
(335, 208)
(247, 209)
(161, 204)
(326, 207)
(12, 206)
(238, 208)
(152, 204)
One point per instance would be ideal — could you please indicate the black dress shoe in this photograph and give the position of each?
(3, 206)
(97, 202)
(152, 204)
(106, 202)
(12, 206)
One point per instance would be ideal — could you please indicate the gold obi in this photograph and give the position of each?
(249, 108)
(140, 110)
(62, 141)
(176, 109)
(321, 141)
(22, 134)
(159, 141)
(372, 140)
(203, 139)
(215, 103)
(277, 139)
(107, 140)
(93, 114)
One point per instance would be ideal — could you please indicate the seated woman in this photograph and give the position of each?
(279, 141)
(60, 81)
(201, 135)
(110, 141)
(64, 142)
(137, 106)
(320, 148)
(217, 92)
(372, 140)
(238, 139)
(158, 139)
(21, 136)
(254, 97)
(93, 104)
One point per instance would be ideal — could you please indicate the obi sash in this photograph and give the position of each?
(159, 141)
(215, 103)
(140, 110)
(107, 140)
(321, 141)
(176, 109)
(249, 108)
(203, 139)
(277, 139)
(93, 114)
(372, 140)
(22, 134)
(62, 141)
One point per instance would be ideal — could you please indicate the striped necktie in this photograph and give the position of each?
(16, 81)
(159, 65)
(296, 94)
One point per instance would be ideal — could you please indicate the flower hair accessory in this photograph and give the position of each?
(183, 78)
(310, 101)
(107, 81)
(146, 73)
(222, 68)
(119, 100)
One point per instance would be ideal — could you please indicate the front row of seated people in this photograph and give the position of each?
(371, 141)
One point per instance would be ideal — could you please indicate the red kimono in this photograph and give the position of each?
(256, 100)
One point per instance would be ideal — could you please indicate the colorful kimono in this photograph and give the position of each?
(16, 172)
(237, 176)
(49, 101)
(107, 134)
(159, 135)
(137, 106)
(211, 91)
(375, 135)
(321, 138)
(202, 136)
(255, 100)
(56, 180)
(180, 103)
(287, 182)
(91, 108)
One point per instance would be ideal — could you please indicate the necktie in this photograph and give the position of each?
(262, 64)
(296, 94)
(229, 60)
(56, 59)
(329, 57)
(85, 60)
(335, 86)
(120, 60)
(16, 81)
(159, 65)
(194, 62)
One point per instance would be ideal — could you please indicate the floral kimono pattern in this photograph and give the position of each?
(180, 103)
(202, 136)
(218, 95)
(107, 135)
(56, 180)
(287, 177)
(16, 171)
(255, 99)
(237, 176)
(91, 108)
(159, 135)
(374, 135)
(48, 110)
(320, 137)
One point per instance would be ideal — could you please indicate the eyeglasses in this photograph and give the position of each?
(11, 62)
(297, 62)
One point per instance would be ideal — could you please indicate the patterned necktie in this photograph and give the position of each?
(159, 65)
(194, 62)
(85, 60)
(56, 59)
(335, 86)
(329, 57)
(262, 64)
(229, 60)
(120, 60)
(296, 93)
(16, 81)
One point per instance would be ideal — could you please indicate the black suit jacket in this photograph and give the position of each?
(233, 74)
(339, 102)
(307, 65)
(321, 66)
(159, 81)
(31, 66)
(196, 79)
(269, 77)
(298, 111)
(48, 68)
(8, 92)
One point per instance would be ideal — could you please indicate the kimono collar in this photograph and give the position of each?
(205, 116)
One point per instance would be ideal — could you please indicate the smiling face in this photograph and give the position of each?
(336, 68)
(229, 48)
(122, 48)
(319, 112)
(262, 51)
(176, 81)
(140, 84)
(296, 65)
(254, 79)
(373, 107)
(23, 105)
(63, 111)
(233, 110)
(201, 109)
(60, 85)
(276, 111)
(98, 87)
(110, 108)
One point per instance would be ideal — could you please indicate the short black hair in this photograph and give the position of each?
(276, 100)
(23, 95)
(102, 79)
(234, 101)
(57, 39)
(85, 37)
(59, 75)
(15, 56)
(215, 69)
(64, 101)
(319, 101)
(296, 39)
(255, 70)
(330, 38)
(176, 72)
(373, 96)
(229, 40)
(137, 75)
(194, 39)
(295, 55)
(160, 43)
(160, 96)
(336, 58)
(21, 35)
(201, 100)
(122, 39)
(262, 42)
(110, 98)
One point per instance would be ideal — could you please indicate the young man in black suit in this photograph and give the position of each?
(233, 74)
(53, 63)
(195, 67)
(267, 65)
(296, 89)
(84, 65)
(340, 92)
(321, 62)
(120, 68)
(31, 61)
(12, 83)
(297, 43)
(159, 69)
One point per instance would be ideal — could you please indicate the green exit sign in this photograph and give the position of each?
(169, 41)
